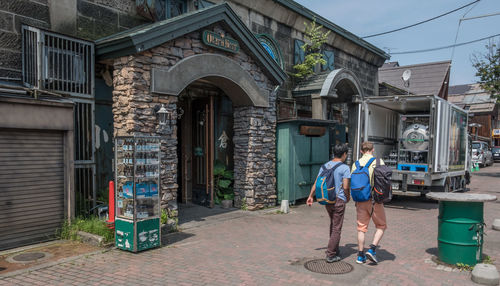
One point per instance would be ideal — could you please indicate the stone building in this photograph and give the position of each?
(219, 67)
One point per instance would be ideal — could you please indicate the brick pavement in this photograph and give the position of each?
(269, 249)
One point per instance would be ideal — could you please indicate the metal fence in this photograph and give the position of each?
(57, 63)
(66, 65)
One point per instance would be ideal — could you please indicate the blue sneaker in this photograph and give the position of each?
(361, 259)
(372, 255)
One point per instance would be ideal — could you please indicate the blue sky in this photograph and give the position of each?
(366, 17)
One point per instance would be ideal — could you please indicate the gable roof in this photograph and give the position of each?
(148, 36)
(428, 78)
(471, 97)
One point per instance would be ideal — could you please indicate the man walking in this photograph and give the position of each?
(369, 209)
(336, 211)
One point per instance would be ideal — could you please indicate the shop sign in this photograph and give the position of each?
(220, 41)
(495, 133)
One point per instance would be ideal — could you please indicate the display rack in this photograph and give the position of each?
(137, 199)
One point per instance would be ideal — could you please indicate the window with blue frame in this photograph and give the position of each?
(176, 8)
(272, 48)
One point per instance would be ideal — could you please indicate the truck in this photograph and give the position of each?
(422, 138)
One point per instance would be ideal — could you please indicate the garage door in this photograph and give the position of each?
(31, 186)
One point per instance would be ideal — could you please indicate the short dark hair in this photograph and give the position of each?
(339, 150)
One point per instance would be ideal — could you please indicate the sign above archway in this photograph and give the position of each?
(220, 41)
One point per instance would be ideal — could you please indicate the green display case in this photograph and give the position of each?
(137, 198)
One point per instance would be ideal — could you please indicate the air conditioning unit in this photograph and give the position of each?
(57, 63)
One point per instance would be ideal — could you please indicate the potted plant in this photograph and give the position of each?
(223, 185)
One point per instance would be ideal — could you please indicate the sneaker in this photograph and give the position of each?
(331, 259)
(361, 259)
(372, 255)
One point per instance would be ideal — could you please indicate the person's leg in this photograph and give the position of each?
(330, 209)
(363, 218)
(378, 217)
(379, 220)
(338, 220)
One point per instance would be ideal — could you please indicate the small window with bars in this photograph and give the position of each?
(57, 63)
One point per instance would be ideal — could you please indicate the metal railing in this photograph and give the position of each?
(57, 63)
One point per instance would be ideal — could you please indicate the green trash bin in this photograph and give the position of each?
(460, 227)
(460, 232)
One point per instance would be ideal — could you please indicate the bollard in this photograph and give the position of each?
(285, 208)
(111, 205)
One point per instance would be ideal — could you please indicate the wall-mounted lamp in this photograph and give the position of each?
(166, 120)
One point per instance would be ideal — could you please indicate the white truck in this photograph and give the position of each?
(423, 138)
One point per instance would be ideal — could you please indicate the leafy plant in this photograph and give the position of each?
(488, 69)
(91, 225)
(315, 38)
(487, 260)
(165, 217)
(244, 204)
(223, 183)
(464, 267)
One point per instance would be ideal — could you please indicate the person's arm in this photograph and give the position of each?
(310, 199)
(347, 190)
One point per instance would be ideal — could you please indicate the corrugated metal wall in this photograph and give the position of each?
(31, 186)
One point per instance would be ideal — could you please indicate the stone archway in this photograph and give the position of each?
(342, 87)
(223, 72)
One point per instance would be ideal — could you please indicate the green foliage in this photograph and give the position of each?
(488, 260)
(464, 267)
(91, 225)
(165, 217)
(488, 69)
(223, 181)
(315, 38)
(244, 204)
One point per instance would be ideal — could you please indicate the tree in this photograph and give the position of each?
(315, 38)
(488, 69)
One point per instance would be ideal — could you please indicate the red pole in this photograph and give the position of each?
(111, 205)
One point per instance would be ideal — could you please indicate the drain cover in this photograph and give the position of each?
(29, 256)
(321, 266)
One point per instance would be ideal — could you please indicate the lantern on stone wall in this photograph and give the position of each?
(164, 120)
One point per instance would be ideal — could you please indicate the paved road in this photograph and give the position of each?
(269, 249)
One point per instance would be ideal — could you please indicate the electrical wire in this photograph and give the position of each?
(445, 47)
(458, 29)
(422, 22)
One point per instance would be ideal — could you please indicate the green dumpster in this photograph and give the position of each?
(302, 147)
(460, 227)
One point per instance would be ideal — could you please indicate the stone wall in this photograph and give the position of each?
(87, 19)
(13, 13)
(254, 128)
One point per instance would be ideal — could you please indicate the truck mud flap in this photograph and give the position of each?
(408, 193)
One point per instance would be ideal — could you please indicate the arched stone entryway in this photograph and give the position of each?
(341, 93)
(145, 80)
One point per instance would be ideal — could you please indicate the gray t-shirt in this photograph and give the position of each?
(341, 173)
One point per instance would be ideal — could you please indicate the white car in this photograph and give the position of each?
(481, 153)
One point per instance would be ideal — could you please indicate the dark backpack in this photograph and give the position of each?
(382, 187)
(325, 186)
(360, 182)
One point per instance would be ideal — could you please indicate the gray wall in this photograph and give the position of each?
(86, 19)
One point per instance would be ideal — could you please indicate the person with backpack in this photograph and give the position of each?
(332, 190)
(364, 194)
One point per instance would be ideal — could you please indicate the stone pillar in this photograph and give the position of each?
(134, 115)
(254, 157)
(319, 107)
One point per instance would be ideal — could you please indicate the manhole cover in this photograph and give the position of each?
(321, 266)
(30, 256)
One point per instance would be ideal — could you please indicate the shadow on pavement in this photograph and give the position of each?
(174, 237)
(412, 203)
(193, 212)
(432, 251)
(495, 175)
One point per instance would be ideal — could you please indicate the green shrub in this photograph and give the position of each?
(91, 225)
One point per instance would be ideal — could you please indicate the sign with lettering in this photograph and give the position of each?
(220, 41)
(496, 133)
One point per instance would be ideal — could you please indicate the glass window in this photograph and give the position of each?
(476, 145)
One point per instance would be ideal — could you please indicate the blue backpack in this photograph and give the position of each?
(325, 186)
(360, 182)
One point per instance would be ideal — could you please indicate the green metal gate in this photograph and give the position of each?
(299, 157)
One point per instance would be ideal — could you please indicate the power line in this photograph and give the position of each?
(458, 29)
(445, 47)
(422, 22)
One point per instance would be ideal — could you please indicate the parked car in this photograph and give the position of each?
(481, 153)
(496, 153)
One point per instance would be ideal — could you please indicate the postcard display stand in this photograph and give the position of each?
(137, 201)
